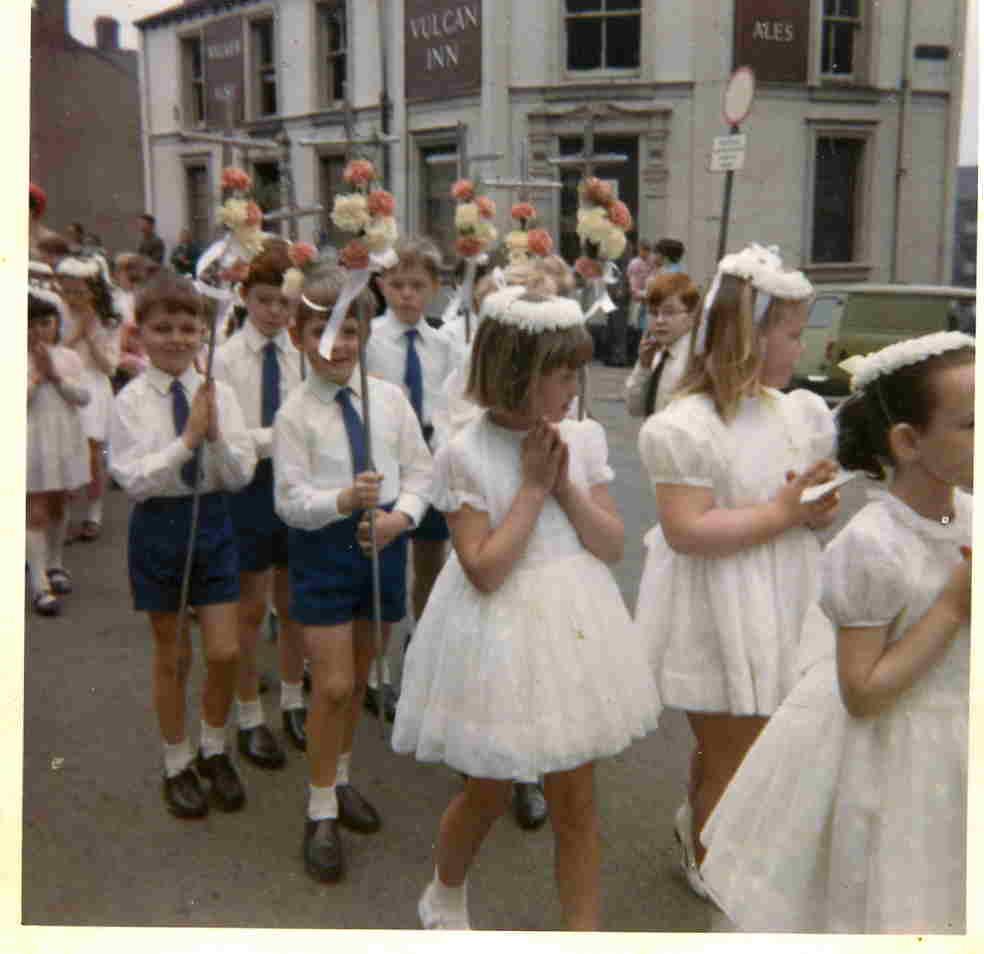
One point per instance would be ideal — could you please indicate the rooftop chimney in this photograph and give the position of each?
(107, 33)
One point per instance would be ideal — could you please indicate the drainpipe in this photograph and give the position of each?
(901, 156)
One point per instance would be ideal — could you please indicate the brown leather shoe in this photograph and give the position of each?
(183, 795)
(354, 812)
(323, 849)
(227, 788)
(295, 726)
(261, 748)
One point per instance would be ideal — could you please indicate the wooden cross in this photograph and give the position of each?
(377, 140)
(461, 157)
(524, 185)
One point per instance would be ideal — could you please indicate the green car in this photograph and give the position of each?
(857, 319)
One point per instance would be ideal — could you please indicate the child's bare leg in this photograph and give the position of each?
(221, 643)
(291, 634)
(329, 649)
(364, 647)
(172, 663)
(252, 608)
(577, 840)
(465, 824)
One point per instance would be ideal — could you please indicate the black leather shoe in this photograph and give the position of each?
(371, 700)
(261, 748)
(354, 812)
(227, 789)
(295, 725)
(306, 678)
(323, 849)
(390, 699)
(183, 795)
(529, 805)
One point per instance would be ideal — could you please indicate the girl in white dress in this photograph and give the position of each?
(57, 456)
(729, 590)
(526, 662)
(94, 333)
(850, 811)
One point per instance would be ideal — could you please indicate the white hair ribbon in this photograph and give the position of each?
(603, 301)
(355, 283)
(499, 277)
(307, 301)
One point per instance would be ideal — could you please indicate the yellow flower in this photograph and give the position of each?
(593, 224)
(486, 232)
(466, 216)
(614, 243)
(351, 212)
(517, 241)
(233, 213)
(381, 233)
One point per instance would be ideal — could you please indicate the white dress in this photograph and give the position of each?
(57, 452)
(733, 634)
(838, 823)
(546, 673)
(96, 414)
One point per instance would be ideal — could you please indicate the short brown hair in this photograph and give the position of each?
(507, 361)
(169, 291)
(323, 291)
(670, 285)
(418, 251)
(269, 265)
(54, 244)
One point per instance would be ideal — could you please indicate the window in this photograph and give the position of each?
(266, 191)
(839, 49)
(437, 206)
(332, 57)
(331, 184)
(837, 195)
(602, 34)
(264, 68)
(193, 80)
(198, 201)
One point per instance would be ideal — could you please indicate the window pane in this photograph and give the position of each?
(583, 44)
(850, 8)
(842, 49)
(837, 177)
(338, 79)
(830, 7)
(622, 5)
(263, 42)
(269, 96)
(583, 6)
(622, 47)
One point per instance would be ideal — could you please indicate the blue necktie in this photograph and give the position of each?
(355, 431)
(270, 400)
(414, 377)
(180, 411)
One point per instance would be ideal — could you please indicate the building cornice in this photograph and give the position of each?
(195, 10)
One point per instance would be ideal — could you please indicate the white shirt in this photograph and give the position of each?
(239, 362)
(386, 357)
(146, 455)
(454, 332)
(312, 463)
(637, 382)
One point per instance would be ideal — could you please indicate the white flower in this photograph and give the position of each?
(466, 216)
(593, 224)
(351, 212)
(865, 369)
(381, 233)
(486, 232)
(614, 244)
(293, 283)
(517, 241)
(233, 213)
(251, 239)
(518, 257)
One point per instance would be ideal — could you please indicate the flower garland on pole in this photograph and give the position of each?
(525, 241)
(368, 212)
(602, 221)
(475, 235)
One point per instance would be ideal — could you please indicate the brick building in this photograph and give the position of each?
(85, 127)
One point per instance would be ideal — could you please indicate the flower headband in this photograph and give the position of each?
(77, 268)
(864, 369)
(510, 307)
(761, 266)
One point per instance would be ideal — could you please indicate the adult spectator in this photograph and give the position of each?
(151, 244)
(670, 251)
(638, 273)
(185, 254)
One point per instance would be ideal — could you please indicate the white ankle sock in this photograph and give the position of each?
(213, 739)
(37, 561)
(447, 897)
(322, 803)
(177, 757)
(94, 512)
(291, 695)
(249, 714)
(342, 772)
(56, 534)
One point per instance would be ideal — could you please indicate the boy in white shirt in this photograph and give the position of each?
(161, 446)
(262, 366)
(323, 489)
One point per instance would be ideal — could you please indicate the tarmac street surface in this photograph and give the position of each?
(100, 849)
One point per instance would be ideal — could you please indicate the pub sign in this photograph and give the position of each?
(442, 48)
(772, 37)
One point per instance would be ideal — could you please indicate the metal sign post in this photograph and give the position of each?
(729, 151)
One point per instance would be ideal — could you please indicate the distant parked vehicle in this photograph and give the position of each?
(860, 318)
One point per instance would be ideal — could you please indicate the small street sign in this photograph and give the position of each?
(728, 153)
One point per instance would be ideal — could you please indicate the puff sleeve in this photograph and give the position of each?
(817, 422)
(674, 452)
(455, 483)
(593, 447)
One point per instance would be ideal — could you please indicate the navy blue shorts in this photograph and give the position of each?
(158, 547)
(331, 578)
(261, 535)
(432, 527)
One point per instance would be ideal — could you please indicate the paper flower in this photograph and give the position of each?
(381, 203)
(293, 283)
(593, 224)
(236, 179)
(350, 212)
(475, 233)
(620, 215)
(355, 255)
(301, 254)
(865, 369)
(539, 242)
(523, 211)
(254, 215)
(517, 241)
(381, 233)
(486, 232)
(463, 190)
(232, 214)
(588, 268)
(466, 216)
(359, 172)
(235, 273)
(597, 191)
(469, 246)
(614, 244)
(486, 207)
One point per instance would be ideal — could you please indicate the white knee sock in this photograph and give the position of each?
(94, 512)
(37, 560)
(177, 757)
(249, 714)
(322, 803)
(56, 534)
(213, 739)
(291, 695)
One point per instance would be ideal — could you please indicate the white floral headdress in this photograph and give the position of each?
(762, 266)
(865, 369)
(509, 306)
(77, 268)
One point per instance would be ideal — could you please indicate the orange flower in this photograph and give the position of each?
(620, 215)
(599, 192)
(463, 190)
(355, 255)
(359, 172)
(523, 211)
(468, 247)
(300, 253)
(237, 272)
(381, 203)
(233, 178)
(254, 214)
(486, 207)
(588, 268)
(539, 242)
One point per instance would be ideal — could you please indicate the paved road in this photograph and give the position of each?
(99, 848)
